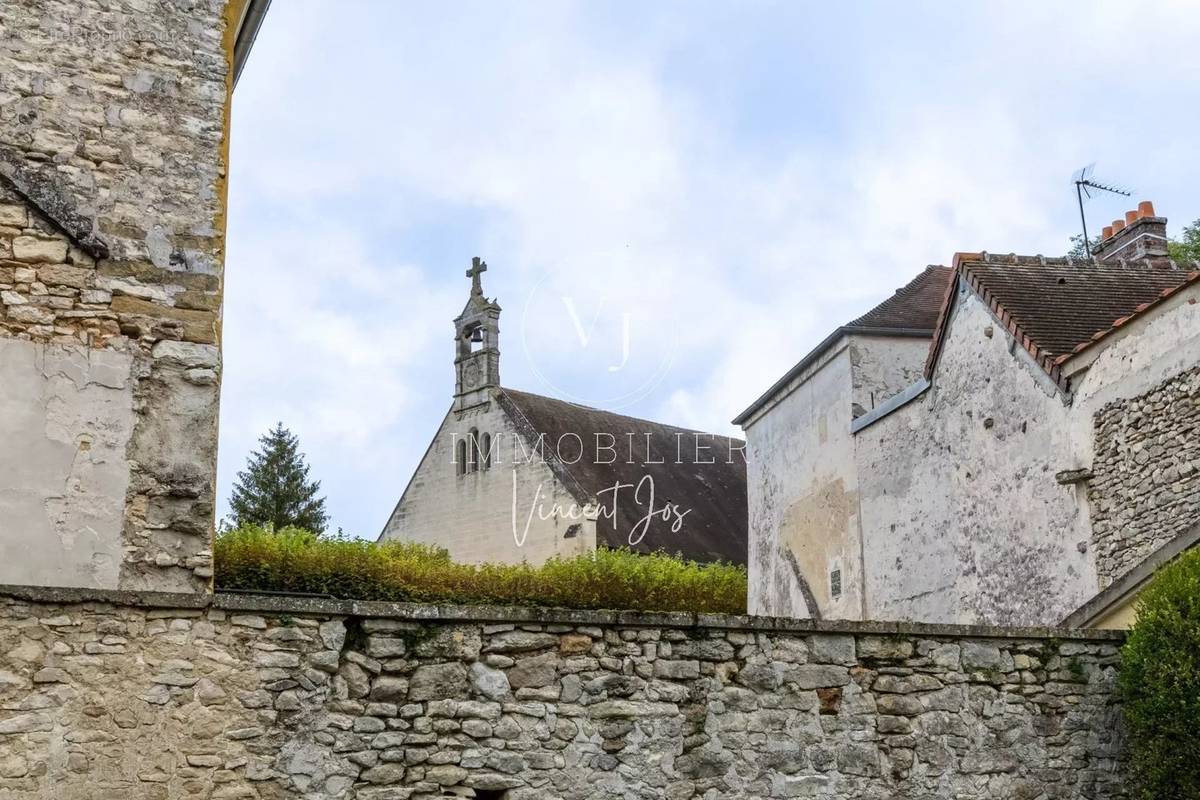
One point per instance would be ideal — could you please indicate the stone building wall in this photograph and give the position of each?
(113, 137)
(943, 477)
(805, 540)
(1146, 484)
(243, 697)
(801, 490)
(511, 511)
(963, 519)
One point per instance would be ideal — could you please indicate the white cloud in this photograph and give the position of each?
(693, 165)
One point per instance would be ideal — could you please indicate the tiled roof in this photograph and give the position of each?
(714, 529)
(914, 306)
(911, 311)
(1057, 306)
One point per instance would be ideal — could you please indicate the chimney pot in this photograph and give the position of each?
(1106, 233)
(1139, 236)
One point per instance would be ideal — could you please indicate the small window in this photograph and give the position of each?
(460, 457)
(473, 451)
(835, 583)
(485, 455)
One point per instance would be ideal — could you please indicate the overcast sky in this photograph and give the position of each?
(676, 201)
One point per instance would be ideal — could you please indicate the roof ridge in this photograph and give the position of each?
(508, 390)
(1040, 260)
(983, 273)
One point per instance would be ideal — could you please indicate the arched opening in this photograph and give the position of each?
(485, 456)
(460, 457)
(473, 451)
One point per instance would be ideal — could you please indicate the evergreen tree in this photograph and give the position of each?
(274, 488)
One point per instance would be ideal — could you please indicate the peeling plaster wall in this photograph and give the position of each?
(113, 125)
(803, 481)
(801, 487)
(66, 416)
(472, 515)
(883, 366)
(963, 519)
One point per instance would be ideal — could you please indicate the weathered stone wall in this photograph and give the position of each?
(883, 366)
(802, 493)
(802, 480)
(1146, 484)
(113, 128)
(242, 697)
(963, 520)
(976, 504)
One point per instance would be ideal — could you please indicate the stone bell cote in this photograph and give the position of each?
(476, 344)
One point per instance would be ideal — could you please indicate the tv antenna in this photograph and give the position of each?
(1084, 186)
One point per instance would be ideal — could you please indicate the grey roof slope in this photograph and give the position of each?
(715, 528)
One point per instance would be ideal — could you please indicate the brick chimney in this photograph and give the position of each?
(1139, 235)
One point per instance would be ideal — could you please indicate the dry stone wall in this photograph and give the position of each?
(164, 696)
(1146, 484)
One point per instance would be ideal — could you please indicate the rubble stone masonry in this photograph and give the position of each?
(113, 134)
(1146, 484)
(112, 694)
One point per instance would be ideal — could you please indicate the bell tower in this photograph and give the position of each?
(476, 344)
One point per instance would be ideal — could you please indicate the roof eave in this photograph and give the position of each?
(247, 32)
(1085, 348)
(816, 353)
(1046, 361)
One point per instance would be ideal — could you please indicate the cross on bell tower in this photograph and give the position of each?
(477, 344)
(478, 267)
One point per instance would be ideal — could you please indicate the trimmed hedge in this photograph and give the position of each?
(297, 561)
(1160, 684)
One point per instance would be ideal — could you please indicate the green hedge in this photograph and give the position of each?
(1160, 684)
(292, 560)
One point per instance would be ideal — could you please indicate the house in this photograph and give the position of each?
(1047, 448)
(803, 477)
(512, 476)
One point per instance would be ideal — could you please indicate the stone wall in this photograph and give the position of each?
(113, 134)
(107, 694)
(1146, 484)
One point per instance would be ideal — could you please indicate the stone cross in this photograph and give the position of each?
(478, 267)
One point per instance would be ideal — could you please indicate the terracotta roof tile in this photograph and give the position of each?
(914, 306)
(1057, 306)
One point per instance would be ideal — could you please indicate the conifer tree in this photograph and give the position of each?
(274, 488)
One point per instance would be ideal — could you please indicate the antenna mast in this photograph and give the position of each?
(1083, 186)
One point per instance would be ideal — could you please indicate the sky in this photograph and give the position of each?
(676, 201)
